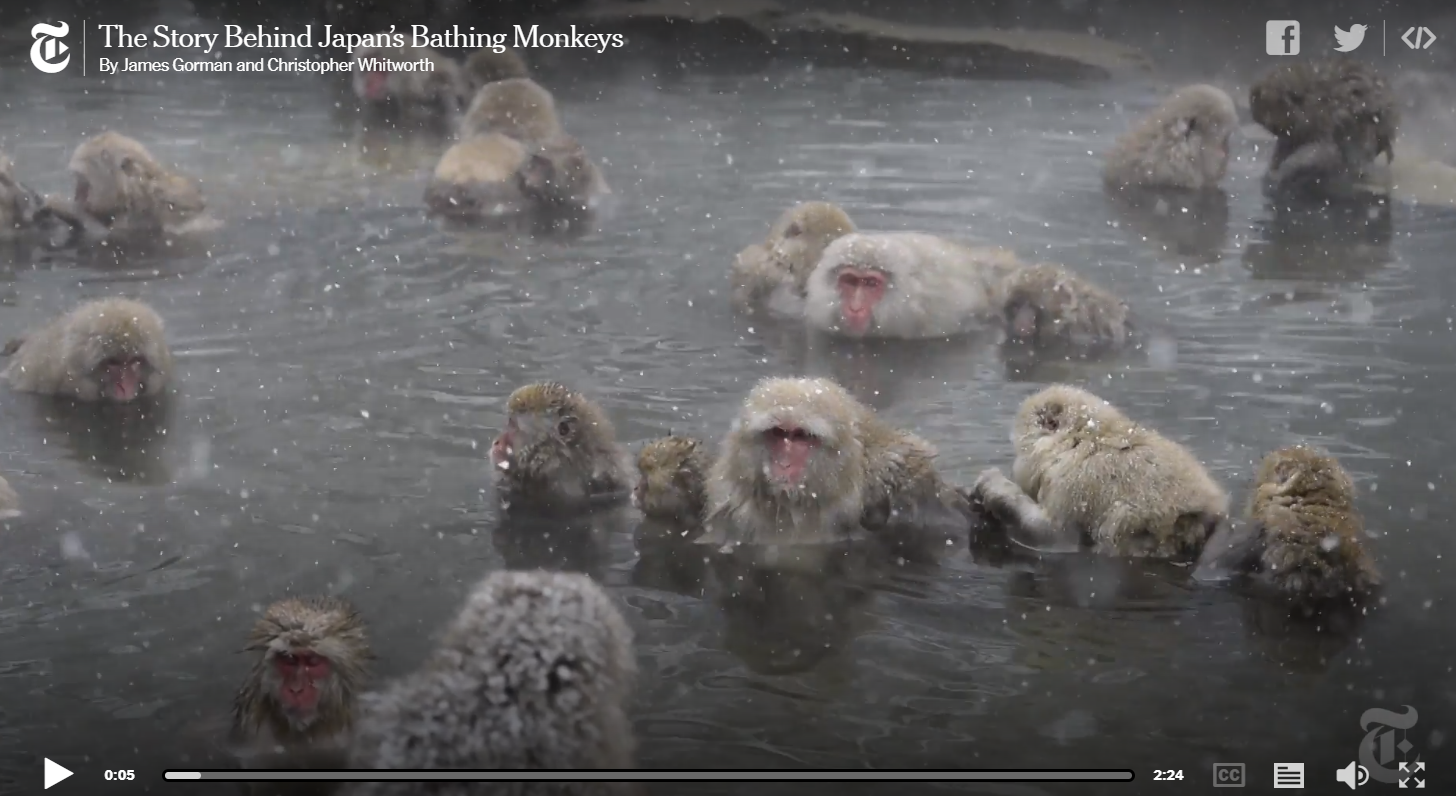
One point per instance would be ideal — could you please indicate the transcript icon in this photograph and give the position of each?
(1288, 775)
(1281, 37)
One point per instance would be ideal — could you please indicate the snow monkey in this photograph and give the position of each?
(1086, 475)
(557, 451)
(137, 200)
(559, 177)
(671, 486)
(112, 349)
(1049, 307)
(313, 662)
(18, 203)
(476, 179)
(1332, 118)
(1183, 143)
(536, 672)
(1304, 541)
(435, 95)
(774, 274)
(807, 463)
(519, 107)
(488, 66)
(906, 285)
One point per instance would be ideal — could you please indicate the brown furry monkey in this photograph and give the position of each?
(535, 673)
(905, 285)
(488, 66)
(1087, 475)
(1305, 541)
(557, 451)
(518, 107)
(671, 484)
(313, 663)
(559, 177)
(18, 203)
(1183, 143)
(108, 350)
(1049, 307)
(775, 274)
(1332, 118)
(807, 463)
(436, 94)
(477, 179)
(129, 193)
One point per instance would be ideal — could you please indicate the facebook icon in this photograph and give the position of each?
(1281, 37)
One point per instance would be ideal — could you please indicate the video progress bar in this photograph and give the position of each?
(876, 775)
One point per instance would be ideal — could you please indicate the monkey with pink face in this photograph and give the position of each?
(906, 285)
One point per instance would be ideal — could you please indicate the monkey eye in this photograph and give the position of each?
(790, 434)
(287, 659)
(872, 283)
(566, 427)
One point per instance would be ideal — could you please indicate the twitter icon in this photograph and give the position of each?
(1349, 39)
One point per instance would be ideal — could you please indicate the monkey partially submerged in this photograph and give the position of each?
(126, 197)
(1182, 144)
(558, 451)
(435, 96)
(313, 663)
(672, 479)
(905, 285)
(774, 275)
(519, 107)
(18, 203)
(1050, 308)
(1087, 476)
(806, 463)
(1304, 541)
(108, 350)
(535, 673)
(1332, 118)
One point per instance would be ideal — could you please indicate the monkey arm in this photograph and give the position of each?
(1011, 511)
(1231, 551)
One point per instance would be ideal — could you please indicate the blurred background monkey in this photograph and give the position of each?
(108, 350)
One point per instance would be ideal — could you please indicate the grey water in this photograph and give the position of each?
(343, 364)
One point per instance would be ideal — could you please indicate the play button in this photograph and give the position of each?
(55, 772)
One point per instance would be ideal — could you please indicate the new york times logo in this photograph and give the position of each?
(48, 46)
(1379, 746)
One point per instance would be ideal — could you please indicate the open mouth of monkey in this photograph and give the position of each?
(790, 449)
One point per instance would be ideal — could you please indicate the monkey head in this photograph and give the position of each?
(861, 273)
(518, 107)
(1061, 411)
(1048, 306)
(115, 350)
(314, 657)
(558, 173)
(553, 436)
(116, 176)
(670, 484)
(1202, 120)
(374, 85)
(1305, 475)
(488, 66)
(799, 236)
(798, 439)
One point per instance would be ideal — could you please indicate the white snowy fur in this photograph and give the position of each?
(937, 287)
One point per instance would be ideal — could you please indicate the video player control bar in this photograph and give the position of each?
(1110, 775)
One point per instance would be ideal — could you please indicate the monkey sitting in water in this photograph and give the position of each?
(1304, 541)
(774, 275)
(905, 285)
(1050, 308)
(126, 197)
(422, 96)
(108, 350)
(488, 66)
(1332, 118)
(18, 203)
(558, 451)
(313, 662)
(671, 485)
(806, 463)
(1182, 144)
(535, 673)
(1088, 476)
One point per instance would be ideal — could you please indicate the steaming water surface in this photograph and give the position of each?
(344, 364)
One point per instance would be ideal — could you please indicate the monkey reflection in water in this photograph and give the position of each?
(1345, 239)
(671, 494)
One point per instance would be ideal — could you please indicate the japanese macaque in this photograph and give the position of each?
(1304, 541)
(519, 107)
(535, 673)
(775, 274)
(313, 662)
(1087, 476)
(1049, 307)
(432, 95)
(112, 349)
(806, 463)
(18, 204)
(1332, 118)
(477, 179)
(488, 66)
(1182, 144)
(130, 194)
(671, 474)
(558, 177)
(905, 285)
(557, 451)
